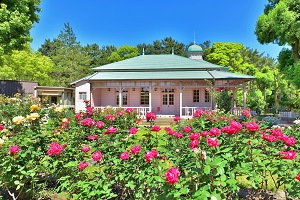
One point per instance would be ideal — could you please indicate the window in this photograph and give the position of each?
(207, 96)
(82, 95)
(196, 96)
(144, 96)
(124, 95)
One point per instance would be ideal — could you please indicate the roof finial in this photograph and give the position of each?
(194, 38)
(143, 51)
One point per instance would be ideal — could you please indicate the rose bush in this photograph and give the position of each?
(103, 154)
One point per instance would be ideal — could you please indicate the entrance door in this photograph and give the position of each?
(168, 101)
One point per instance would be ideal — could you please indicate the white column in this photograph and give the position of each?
(120, 97)
(180, 100)
(234, 97)
(150, 97)
(244, 94)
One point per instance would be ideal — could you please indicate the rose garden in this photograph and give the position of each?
(105, 154)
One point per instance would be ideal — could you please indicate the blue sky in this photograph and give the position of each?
(132, 22)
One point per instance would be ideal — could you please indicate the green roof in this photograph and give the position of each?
(158, 62)
(161, 67)
(167, 75)
(195, 48)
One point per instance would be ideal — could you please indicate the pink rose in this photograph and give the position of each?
(88, 122)
(85, 149)
(93, 137)
(194, 144)
(110, 117)
(150, 116)
(133, 130)
(97, 155)
(1, 127)
(195, 136)
(135, 149)
(156, 128)
(55, 149)
(187, 129)
(78, 116)
(246, 113)
(198, 113)
(150, 155)
(288, 155)
(269, 138)
(172, 175)
(110, 130)
(119, 113)
(82, 165)
(100, 124)
(128, 110)
(13, 149)
(298, 177)
(290, 141)
(176, 118)
(178, 135)
(204, 133)
(124, 156)
(252, 126)
(214, 132)
(212, 142)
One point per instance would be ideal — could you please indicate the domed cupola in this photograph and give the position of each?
(195, 52)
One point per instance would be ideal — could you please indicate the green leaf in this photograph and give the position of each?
(207, 169)
(184, 190)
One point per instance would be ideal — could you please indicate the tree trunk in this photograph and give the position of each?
(276, 101)
(295, 48)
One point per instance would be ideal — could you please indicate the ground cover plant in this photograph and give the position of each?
(104, 154)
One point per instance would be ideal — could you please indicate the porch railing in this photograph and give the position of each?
(189, 111)
(141, 111)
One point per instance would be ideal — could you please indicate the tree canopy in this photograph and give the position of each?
(70, 58)
(17, 18)
(280, 23)
(26, 65)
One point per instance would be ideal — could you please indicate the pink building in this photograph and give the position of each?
(164, 84)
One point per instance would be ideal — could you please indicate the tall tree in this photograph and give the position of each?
(71, 60)
(164, 46)
(99, 56)
(17, 18)
(280, 24)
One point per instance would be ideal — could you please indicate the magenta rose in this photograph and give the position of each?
(100, 124)
(156, 128)
(125, 155)
(252, 126)
(82, 165)
(214, 132)
(128, 110)
(269, 138)
(212, 142)
(97, 155)
(88, 122)
(195, 136)
(85, 149)
(135, 149)
(298, 177)
(194, 144)
(55, 149)
(172, 175)
(13, 149)
(187, 129)
(150, 155)
(150, 116)
(176, 118)
(133, 130)
(288, 155)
